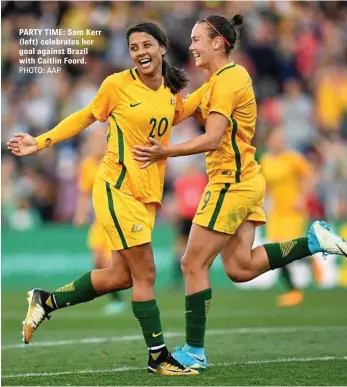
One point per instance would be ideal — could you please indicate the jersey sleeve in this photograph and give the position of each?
(85, 182)
(106, 99)
(186, 107)
(69, 127)
(225, 95)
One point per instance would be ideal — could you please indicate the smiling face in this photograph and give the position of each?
(203, 47)
(146, 53)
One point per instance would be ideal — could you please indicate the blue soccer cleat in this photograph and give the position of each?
(322, 239)
(191, 360)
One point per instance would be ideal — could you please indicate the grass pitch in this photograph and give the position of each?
(249, 342)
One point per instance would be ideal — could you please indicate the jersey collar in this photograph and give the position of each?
(135, 77)
(227, 66)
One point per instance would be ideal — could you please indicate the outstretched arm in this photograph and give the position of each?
(23, 144)
(209, 141)
(188, 106)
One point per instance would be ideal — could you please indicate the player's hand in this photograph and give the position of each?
(149, 155)
(22, 144)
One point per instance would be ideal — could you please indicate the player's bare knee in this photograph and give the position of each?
(146, 275)
(192, 267)
(115, 281)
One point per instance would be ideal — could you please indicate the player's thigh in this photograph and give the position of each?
(127, 222)
(237, 252)
(140, 261)
(203, 246)
(120, 269)
(118, 263)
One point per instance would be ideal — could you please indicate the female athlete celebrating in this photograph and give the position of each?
(139, 103)
(231, 206)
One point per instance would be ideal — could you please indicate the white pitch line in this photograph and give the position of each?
(213, 332)
(125, 368)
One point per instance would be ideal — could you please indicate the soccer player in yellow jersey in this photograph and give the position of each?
(289, 180)
(231, 206)
(97, 239)
(139, 103)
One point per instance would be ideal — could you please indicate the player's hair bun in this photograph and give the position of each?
(236, 20)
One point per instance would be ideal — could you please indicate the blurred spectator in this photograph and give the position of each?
(296, 110)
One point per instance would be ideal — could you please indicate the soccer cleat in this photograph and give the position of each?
(189, 359)
(322, 239)
(37, 312)
(166, 365)
(292, 298)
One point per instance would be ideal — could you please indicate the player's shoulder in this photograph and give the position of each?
(234, 73)
(121, 78)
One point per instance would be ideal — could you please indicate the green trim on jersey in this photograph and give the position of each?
(236, 150)
(226, 68)
(121, 155)
(132, 74)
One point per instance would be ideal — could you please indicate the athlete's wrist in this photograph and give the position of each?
(168, 151)
(43, 142)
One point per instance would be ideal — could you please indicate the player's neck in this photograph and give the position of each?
(218, 63)
(152, 81)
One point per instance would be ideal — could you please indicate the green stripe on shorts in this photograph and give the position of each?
(220, 200)
(114, 217)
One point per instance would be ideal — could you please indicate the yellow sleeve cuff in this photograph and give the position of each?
(43, 141)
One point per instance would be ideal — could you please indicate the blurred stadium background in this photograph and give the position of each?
(296, 53)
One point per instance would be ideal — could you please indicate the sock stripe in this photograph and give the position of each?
(67, 288)
(280, 254)
(207, 306)
(286, 247)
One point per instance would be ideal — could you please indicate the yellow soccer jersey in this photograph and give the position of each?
(229, 92)
(88, 170)
(135, 112)
(282, 175)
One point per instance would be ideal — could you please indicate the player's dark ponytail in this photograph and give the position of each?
(174, 78)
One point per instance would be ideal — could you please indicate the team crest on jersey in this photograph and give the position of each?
(172, 101)
(136, 228)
